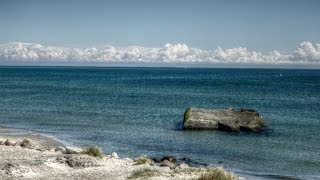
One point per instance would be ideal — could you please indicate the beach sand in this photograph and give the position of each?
(39, 160)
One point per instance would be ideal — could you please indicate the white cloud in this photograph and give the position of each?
(308, 52)
(17, 52)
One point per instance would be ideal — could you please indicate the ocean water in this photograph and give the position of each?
(136, 111)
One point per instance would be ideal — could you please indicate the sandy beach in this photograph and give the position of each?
(45, 158)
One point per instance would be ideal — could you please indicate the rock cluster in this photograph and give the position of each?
(166, 161)
(26, 143)
(14, 168)
(79, 161)
(223, 119)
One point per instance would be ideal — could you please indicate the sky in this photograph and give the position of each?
(167, 31)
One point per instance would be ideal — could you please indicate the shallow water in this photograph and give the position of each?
(136, 111)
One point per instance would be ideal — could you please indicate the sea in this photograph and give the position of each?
(139, 111)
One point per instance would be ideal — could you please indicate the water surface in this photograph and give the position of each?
(136, 111)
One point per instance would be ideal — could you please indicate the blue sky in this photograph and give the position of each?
(228, 31)
(259, 25)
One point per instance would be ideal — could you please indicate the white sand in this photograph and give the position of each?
(42, 162)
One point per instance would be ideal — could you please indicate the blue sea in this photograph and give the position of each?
(139, 111)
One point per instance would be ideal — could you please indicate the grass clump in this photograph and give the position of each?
(144, 173)
(217, 173)
(93, 151)
(190, 170)
(141, 160)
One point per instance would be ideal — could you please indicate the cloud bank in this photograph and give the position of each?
(24, 53)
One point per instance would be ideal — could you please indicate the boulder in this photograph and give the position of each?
(80, 161)
(223, 119)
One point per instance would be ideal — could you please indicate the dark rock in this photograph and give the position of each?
(223, 119)
(26, 143)
(156, 160)
(8, 143)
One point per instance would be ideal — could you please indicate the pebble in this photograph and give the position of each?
(114, 155)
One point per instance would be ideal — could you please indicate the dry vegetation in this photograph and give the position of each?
(93, 151)
(217, 173)
(144, 173)
(141, 160)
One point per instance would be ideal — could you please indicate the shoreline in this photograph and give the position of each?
(47, 158)
(46, 144)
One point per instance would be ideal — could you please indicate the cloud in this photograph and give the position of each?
(18, 52)
(308, 52)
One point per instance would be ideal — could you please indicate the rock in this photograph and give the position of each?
(223, 119)
(114, 155)
(1, 143)
(61, 149)
(8, 143)
(14, 169)
(26, 143)
(81, 161)
(73, 150)
(156, 160)
(182, 166)
(42, 149)
(151, 162)
(61, 159)
(167, 163)
(169, 158)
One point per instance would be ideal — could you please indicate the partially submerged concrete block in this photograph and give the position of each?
(223, 119)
